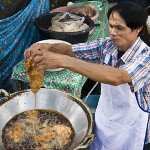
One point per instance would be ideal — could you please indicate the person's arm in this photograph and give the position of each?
(89, 51)
(97, 72)
(44, 57)
(37, 48)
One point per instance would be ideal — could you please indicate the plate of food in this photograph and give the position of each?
(54, 41)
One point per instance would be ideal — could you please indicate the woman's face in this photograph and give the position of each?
(120, 33)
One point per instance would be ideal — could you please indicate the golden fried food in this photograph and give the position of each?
(47, 134)
(63, 134)
(35, 76)
(58, 133)
(16, 133)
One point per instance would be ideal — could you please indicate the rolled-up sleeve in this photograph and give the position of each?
(89, 51)
(139, 71)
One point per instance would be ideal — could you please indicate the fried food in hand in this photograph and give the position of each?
(35, 76)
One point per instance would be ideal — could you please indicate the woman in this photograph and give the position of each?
(121, 63)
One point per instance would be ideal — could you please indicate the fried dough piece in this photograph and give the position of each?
(35, 76)
(63, 134)
(16, 133)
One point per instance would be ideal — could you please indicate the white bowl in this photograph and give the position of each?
(54, 41)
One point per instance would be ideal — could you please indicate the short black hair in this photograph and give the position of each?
(133, 14)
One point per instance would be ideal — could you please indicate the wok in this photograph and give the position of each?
(43, 22)
(72, 108)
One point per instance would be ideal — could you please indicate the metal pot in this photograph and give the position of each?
(72, 108)
(44, 21)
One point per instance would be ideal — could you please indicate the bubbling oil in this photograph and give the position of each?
(38, 129)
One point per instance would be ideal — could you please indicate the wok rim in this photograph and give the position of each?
(85, 108)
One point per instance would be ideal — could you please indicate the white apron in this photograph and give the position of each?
(120, 123)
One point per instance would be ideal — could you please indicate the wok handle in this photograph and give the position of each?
(85, 144)
(4, 93)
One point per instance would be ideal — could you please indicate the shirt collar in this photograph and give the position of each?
(132, 51)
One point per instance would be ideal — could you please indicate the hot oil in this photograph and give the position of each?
(36, 81)
(38, 129)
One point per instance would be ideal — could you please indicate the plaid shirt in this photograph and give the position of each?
(136, 61)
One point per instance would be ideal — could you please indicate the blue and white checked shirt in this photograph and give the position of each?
(136, 61)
